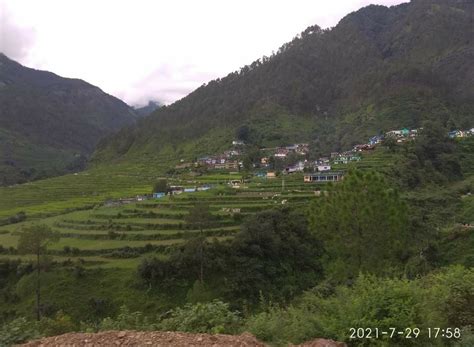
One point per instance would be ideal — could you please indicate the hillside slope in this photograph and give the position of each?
(49, 123)
(379, 68)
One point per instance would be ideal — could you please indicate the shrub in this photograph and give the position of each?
(18, 331)
(212, 317)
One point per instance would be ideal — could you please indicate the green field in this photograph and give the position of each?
(121, 236)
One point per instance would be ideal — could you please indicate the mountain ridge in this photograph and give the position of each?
(379, 68)
(61, 118)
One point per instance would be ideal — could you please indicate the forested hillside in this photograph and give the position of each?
(50, 124)
(380, 68)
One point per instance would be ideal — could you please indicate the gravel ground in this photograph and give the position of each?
(158, 338)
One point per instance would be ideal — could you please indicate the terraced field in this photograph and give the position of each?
(121, 236)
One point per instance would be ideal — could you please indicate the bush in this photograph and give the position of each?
(126, 320)
(212, 317)
(18, 331)
(58, 325)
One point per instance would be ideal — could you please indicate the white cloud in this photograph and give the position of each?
(145, 49)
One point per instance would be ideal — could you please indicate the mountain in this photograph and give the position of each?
(50, 124)
(147, 109)
(380, 68)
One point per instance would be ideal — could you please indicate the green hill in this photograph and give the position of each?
(50, 124)
(380, 68)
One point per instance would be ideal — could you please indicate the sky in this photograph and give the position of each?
(140, 50)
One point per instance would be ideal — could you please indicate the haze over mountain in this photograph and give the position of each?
(147, 109)
(379, 68)
(49, 124)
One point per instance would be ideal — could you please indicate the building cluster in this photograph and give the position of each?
(461, 133)
(176, 190)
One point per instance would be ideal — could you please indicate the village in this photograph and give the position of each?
(278, 162)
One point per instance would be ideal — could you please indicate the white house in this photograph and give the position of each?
(322, 168)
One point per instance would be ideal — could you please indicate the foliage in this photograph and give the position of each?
(432, 158)
(36, 238)
(17, 331)
(60, 324)
(362, 225)
(126, 320)
(212, 317)
(274, 254)
(161, 186)
(372, 303)
(49, 124)
(336, 87)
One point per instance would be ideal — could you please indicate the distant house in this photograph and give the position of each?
(189, 190)
(394, 133)
(298, 167)
(227, 165)
(261, 174)
(324, 177)
(235, 183)
(322, 168)
(203, 188)
(175, 190)
(238, 143)
(281, 153)
(141, 197)
(264, 160)
(158, 195)
(271, 174)
(363, 147)
(374, 140)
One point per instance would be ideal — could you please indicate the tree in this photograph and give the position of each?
(161, 186)
(274, 254)
(35, 240)
(242, 133)
(363, 226)
(199, 217)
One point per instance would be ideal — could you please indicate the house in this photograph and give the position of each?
(238, 143)
(235, 183)
(189, 190)
(375, 140)
(264, 160)
(322, 168)
(203, 188)
(158, 195)
(281, 153)
(271, 174)
(394, 133)
(141, 197)
(261, 174)
(324, 177)
(298, 167)
(175, 190)
(227, 165)
(302, 149)
(363, 147)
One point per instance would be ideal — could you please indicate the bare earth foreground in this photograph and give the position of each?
(135, 338)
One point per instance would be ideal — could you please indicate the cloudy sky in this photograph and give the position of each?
(150, 49)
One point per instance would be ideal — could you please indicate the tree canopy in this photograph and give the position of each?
(362, 225)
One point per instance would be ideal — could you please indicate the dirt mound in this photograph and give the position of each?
(135, 338)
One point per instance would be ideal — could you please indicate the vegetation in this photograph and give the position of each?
(35, 240)
(359, 214)
(391, 246)
(49, 125)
